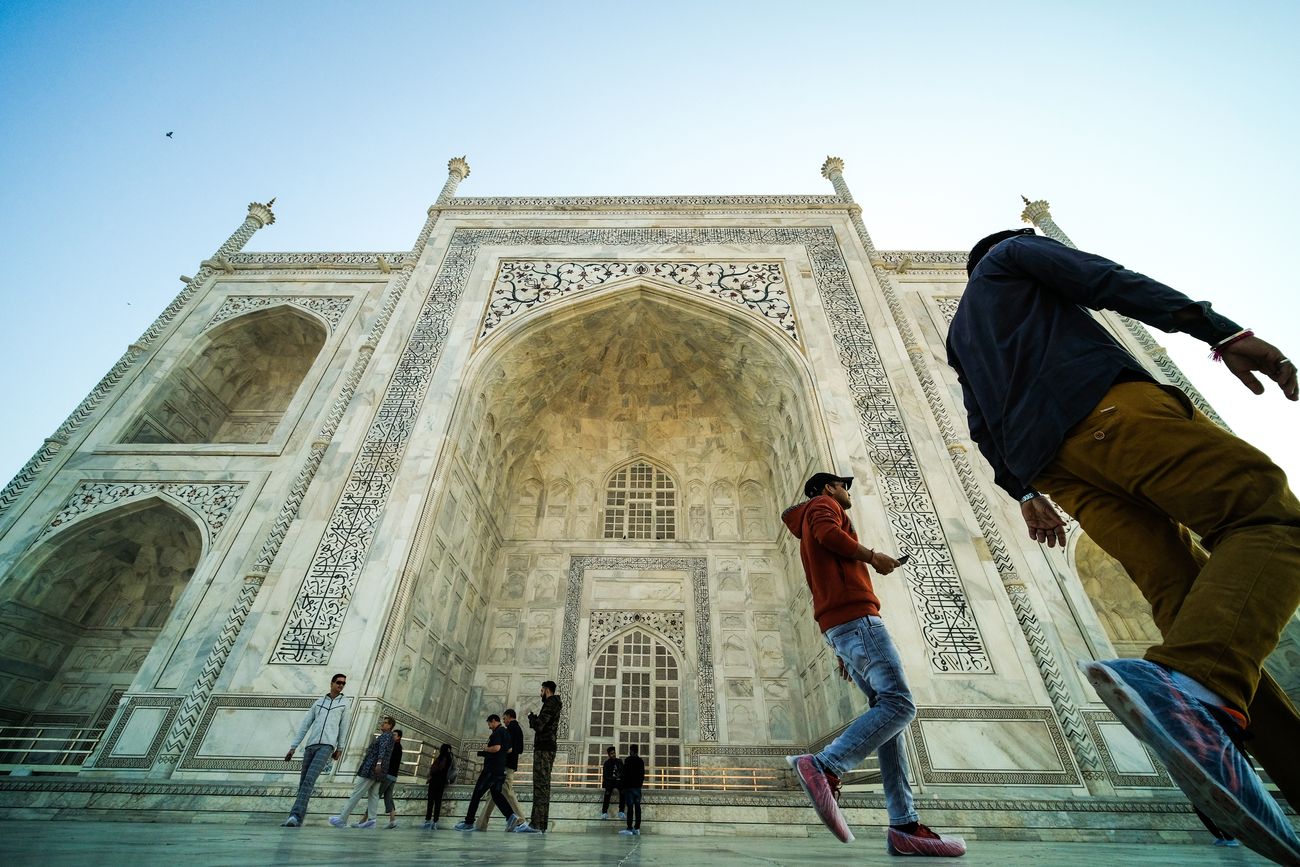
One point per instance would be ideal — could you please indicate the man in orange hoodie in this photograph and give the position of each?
(848, 613)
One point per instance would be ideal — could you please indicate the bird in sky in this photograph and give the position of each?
(169, 135)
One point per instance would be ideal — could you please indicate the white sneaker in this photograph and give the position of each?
(622, 815)
(604, 815)
(627, 832)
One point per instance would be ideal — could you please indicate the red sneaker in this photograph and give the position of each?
(818, 789)
(923, 841)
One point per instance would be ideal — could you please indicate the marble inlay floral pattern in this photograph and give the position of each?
(525, 284)
(212, 502)
(329, 308)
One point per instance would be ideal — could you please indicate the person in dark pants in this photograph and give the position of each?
(492, 777)
(510, 722)
(547, 726)
(325, 730)
(633, 780)
(442, 772)
(610, 774)
(1058, 406)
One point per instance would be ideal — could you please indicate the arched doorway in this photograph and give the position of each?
(236, 385)
(636, 698)
(86, 606)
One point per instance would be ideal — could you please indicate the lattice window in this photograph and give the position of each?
(636, 699)
(640, 503)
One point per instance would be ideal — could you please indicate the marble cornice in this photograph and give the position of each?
(383, 262)
(929, 261)
(644, 203)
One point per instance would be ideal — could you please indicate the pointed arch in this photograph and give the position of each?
(84, 606)
(236, 382)
(636, 698)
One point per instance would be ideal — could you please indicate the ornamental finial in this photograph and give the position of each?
(1036, 212)
(458, 166)
(832, 167)
(262, 213)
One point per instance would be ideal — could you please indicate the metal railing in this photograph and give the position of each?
(671, 777)
(47, 748)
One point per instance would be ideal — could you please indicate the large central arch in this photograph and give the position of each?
(714, 401)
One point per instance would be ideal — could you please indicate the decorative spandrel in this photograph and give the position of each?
(525, 284)
(328, 308)
(212, 502)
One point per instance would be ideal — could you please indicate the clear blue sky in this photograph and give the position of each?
(1163, 133)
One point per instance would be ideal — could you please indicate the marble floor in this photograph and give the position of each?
(59, 843)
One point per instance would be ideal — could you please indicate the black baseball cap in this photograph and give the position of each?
(814, 485)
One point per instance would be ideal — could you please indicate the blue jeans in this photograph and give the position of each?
(868, 652)
(314, 760)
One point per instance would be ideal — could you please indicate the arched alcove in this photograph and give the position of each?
(236, 384)
(698, 395)
(82, 611)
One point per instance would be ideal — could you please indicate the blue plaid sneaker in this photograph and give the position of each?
(1198, 753)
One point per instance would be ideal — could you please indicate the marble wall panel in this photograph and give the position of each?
(138, 731)
(992, 745)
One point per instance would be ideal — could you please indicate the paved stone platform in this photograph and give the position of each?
(56, 844)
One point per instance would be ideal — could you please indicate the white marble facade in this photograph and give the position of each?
(399, 466)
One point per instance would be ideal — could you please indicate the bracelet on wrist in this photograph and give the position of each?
(1223, 344)
(1029, 496)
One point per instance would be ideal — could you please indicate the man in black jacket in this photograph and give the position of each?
(492, 777)
(547, 726)
(516, 734)
(633, 780)
(1057, 405)
(610, 773)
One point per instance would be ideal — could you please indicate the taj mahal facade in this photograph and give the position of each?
(550, 441)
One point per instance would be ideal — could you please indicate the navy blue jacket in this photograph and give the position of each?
(1031, 359)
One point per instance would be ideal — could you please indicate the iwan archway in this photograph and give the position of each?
(619, 459)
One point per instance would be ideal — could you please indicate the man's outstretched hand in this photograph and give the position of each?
(1250, 355)
(1044, 522)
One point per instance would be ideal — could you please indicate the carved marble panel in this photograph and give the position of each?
(328, 308)
(523, 285)
(212, 502)
(697, 567)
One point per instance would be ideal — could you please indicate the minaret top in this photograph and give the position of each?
(833, 166)
(1035, 212)
(262, 213)
(458, 166)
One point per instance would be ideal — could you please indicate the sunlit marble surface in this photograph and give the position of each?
(77, 843)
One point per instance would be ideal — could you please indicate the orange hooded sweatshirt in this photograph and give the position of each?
(841, 586)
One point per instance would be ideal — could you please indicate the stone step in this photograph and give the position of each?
(576, 811)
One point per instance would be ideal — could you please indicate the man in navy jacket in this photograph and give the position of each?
(1057, 405)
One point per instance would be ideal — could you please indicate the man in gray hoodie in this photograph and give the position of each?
(325, 730)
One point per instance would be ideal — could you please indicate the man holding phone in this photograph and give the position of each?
(848, 613)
